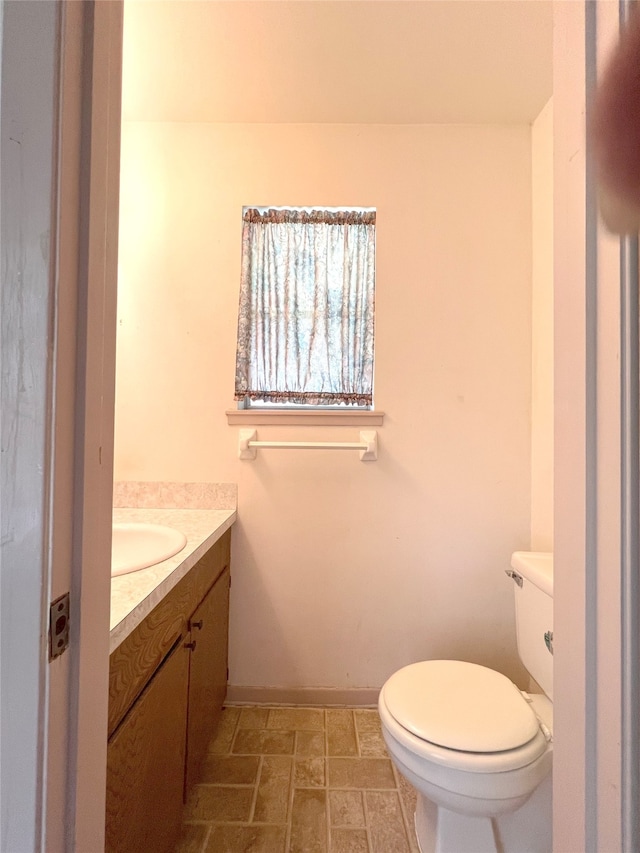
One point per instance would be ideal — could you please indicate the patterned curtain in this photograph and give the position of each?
(305, 321)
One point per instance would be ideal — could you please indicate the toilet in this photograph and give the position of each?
(477, 749)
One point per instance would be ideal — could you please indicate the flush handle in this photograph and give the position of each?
(514, 575)
(548, 640)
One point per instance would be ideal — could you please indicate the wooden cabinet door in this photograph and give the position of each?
(145, 764)
(207, 672)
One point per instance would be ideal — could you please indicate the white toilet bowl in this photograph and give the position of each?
(475, 749)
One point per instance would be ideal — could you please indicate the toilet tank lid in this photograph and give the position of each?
(535, 566)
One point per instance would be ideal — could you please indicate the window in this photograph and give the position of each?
(306, 314)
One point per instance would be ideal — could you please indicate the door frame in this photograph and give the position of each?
(595, 466)
(60, 100)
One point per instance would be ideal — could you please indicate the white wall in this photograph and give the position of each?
(344, 571)
(542, 331)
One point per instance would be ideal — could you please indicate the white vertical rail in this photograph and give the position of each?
(612, 645)
(630, 515)
(591, 743)
(570, 462)
(589, 459)
(630, 585)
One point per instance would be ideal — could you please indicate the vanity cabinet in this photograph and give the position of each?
(207, 672)
(145, 763)
(167, 684)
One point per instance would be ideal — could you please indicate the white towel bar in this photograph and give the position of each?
(368, 444)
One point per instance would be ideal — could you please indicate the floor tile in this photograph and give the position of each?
(193, 838)
(346, 809)
(372, 744)
(273, 782)
(230, 769)
(308, 719)
(310, 743)
(360, 773)
(341, 733)
(349, 841)
(386, 824)
(309, 773)
(272, 800)
(408, 798)
(218, 803)
(247, 839)
(253, 718)
(308, 821)
(221, 743)
(263, 742)
(367, 720)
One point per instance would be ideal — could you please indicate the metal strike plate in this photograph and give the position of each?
(514, 576)
(58, 626)
(548, 640)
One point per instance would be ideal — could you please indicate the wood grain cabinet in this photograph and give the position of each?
(145, 763)
(167, 684)
(207, 673)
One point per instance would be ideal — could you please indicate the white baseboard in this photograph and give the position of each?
(362, 697)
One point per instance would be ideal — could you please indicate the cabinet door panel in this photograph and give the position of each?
(145, 764)
(207, 673)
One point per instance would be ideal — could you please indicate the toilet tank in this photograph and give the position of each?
(532, 574)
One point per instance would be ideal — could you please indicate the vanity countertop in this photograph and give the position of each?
(134, 595)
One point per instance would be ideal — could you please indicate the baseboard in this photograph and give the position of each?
(361, 697)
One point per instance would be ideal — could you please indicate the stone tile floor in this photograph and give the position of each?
(299, 780)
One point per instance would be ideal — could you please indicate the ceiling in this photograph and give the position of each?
(337, 61)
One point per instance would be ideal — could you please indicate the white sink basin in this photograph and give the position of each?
(136, 546)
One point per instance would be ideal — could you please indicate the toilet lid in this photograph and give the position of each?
(461, 706)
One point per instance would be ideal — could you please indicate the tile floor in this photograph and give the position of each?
(299, 780)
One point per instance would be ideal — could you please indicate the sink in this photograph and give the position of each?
(137, 546)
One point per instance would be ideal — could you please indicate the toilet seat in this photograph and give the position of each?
(465, 716)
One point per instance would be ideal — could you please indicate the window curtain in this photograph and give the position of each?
(306, 313)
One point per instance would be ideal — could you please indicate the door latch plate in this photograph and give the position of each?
(58, 626)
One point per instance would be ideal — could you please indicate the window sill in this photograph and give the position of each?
(258, 417)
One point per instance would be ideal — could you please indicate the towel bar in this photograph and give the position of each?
(368, 444)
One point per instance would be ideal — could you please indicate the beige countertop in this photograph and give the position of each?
(133, 596)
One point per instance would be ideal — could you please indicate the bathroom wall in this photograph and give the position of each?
(542, 331)
(342, 570)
